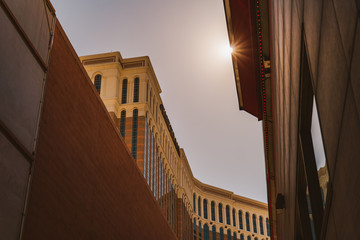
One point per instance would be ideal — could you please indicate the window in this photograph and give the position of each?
(311, 166)
(124, 91)
(220, 213)
(234, 236)
(199, 206)
(145, 146)
(152, 162)
(205, 209)
(228, 234)
(213, 210)
(150, 154)
(255, 238)
(150, 98)
(233, 215)
(97, 83)
(134, 133)
(155, 169)
(194, 202)
(221, 233)
(206, 232)
(254, 223)
(200, 234)
(213, 233)
(194, 229)
(268, 227)
(247, 222)
(319, 152)
(261, 225)
(249, 237)
(136, 90)
(242, 237)
(240, 220)
(156, 118)
(227, 214)
(122, 123)
(310, 215)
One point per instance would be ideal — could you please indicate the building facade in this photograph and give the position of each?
(220, 214)
(58, 180)
(76, 166)
(131, 93)
(24, 61)
(310, 111)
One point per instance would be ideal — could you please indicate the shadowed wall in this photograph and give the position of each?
(85, 183)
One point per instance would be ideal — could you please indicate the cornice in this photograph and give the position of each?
(228, 194)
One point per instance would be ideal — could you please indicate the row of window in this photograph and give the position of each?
(228, 216)
(159, 180)
(125, 87)
(164, 139)
(134, 130)
(97, 84)
(201, 233)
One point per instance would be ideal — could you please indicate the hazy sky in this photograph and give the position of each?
(186, 42)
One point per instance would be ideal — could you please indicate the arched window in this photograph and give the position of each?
(205, 209)
(122, 123)
(242, 237)
(194, 202)
(213, 233)
(227, 214)
(124, 91)
(261, 225)
(268, 227)
(213, 210)
(150, 155)
(206, 232)
(134, 133)
(150, 98)
(220, 213)
(255, 238)
(221, 233)
(145, 145)
(240, 220)
(199, 206)
(254, 223)
(247, 221)
(194, 228)
(228, 234)
(200, 234)
(136, 89)
(233, 215)
(234, 236)
(249, 237)
(97, 83)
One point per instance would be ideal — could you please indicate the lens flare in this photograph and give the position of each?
(227, 50)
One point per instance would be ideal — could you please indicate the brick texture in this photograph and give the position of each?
(85, 184)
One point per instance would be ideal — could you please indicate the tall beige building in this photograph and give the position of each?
(131, 94)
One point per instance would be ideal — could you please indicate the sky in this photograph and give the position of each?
(187, 43)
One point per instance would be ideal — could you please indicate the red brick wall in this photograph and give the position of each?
(85, 184)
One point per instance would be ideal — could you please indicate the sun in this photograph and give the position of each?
(227, 50)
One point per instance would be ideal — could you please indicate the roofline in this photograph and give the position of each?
(231, 41)
(228, 194)
(125, 60)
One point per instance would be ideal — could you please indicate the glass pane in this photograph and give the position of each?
(213, 233)
(310, 214)
(319, 153)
